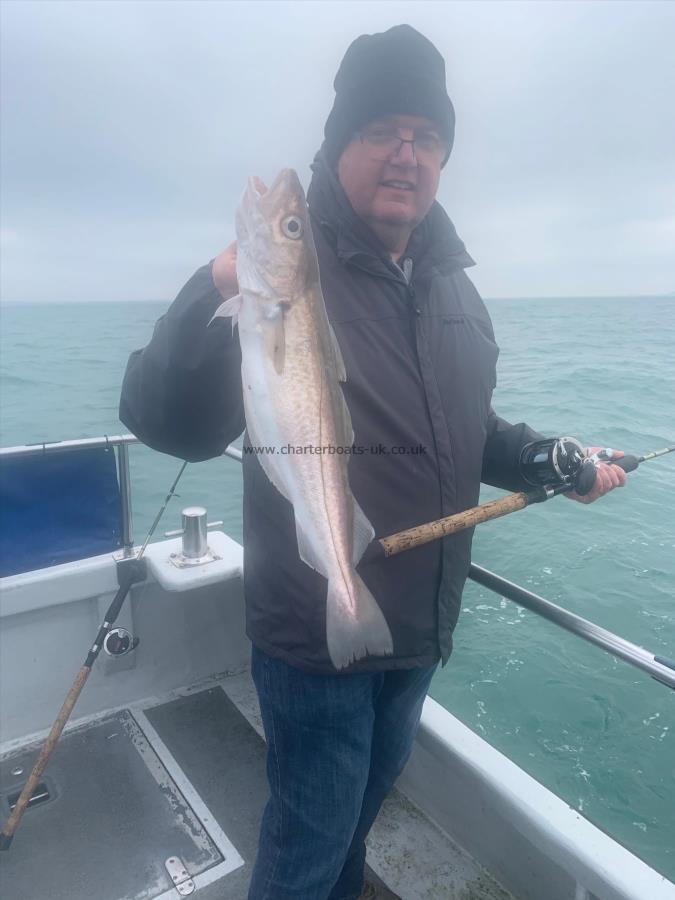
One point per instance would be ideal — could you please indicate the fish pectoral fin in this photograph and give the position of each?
(275, 340)
(229, 308)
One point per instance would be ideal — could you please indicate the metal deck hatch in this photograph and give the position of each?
(114, 818)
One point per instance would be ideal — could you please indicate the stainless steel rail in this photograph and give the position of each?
(659, 667)
(107, 440)
(124, 476)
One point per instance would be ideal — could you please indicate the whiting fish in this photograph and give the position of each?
(291, 372)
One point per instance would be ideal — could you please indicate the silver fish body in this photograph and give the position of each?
(296, 416)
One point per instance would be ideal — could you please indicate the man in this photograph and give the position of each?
(420, 357)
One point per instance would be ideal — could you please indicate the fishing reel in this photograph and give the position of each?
(557, 462)
(119, 642)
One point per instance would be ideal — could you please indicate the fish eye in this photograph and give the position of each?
(292, 227)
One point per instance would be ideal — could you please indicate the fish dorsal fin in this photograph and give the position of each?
(342, 372)
(363, 533)
(345, 431)
(229, 308)
(343, 425)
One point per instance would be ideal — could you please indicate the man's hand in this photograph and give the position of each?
(608, 477)
(225, 272)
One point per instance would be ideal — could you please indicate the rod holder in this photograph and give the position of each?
(194, 532)
(194, 549)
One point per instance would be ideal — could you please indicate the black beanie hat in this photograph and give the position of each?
(396, 71)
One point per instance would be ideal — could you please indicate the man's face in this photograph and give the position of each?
(366, 178)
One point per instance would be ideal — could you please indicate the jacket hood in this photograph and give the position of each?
(434, 243)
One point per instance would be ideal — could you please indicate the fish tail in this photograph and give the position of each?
(351, 633)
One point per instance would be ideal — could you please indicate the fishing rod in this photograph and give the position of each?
(129, 572)
(552, 466)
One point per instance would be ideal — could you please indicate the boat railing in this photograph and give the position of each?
(660, 668)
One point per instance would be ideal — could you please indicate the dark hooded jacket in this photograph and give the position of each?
(420, 357)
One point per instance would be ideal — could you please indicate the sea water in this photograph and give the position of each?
(593, 729)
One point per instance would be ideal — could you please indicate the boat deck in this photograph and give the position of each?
(183, 778)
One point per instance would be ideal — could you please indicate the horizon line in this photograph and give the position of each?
(660, 296)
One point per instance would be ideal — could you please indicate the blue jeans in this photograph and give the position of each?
(335, 746)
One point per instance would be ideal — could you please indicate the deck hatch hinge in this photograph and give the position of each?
(179, 875)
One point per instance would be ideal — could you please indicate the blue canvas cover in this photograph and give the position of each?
(58, 507)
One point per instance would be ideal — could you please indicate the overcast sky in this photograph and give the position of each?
(129, 128)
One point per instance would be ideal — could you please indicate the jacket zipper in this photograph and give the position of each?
(407, 272)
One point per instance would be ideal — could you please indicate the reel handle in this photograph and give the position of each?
(585, 478)
(628, 463)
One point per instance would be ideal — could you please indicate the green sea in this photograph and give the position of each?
(596, 731)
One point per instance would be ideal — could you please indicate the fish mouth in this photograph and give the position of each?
(287, 182)
(261, 204)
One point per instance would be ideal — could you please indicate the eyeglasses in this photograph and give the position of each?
(384, 141)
